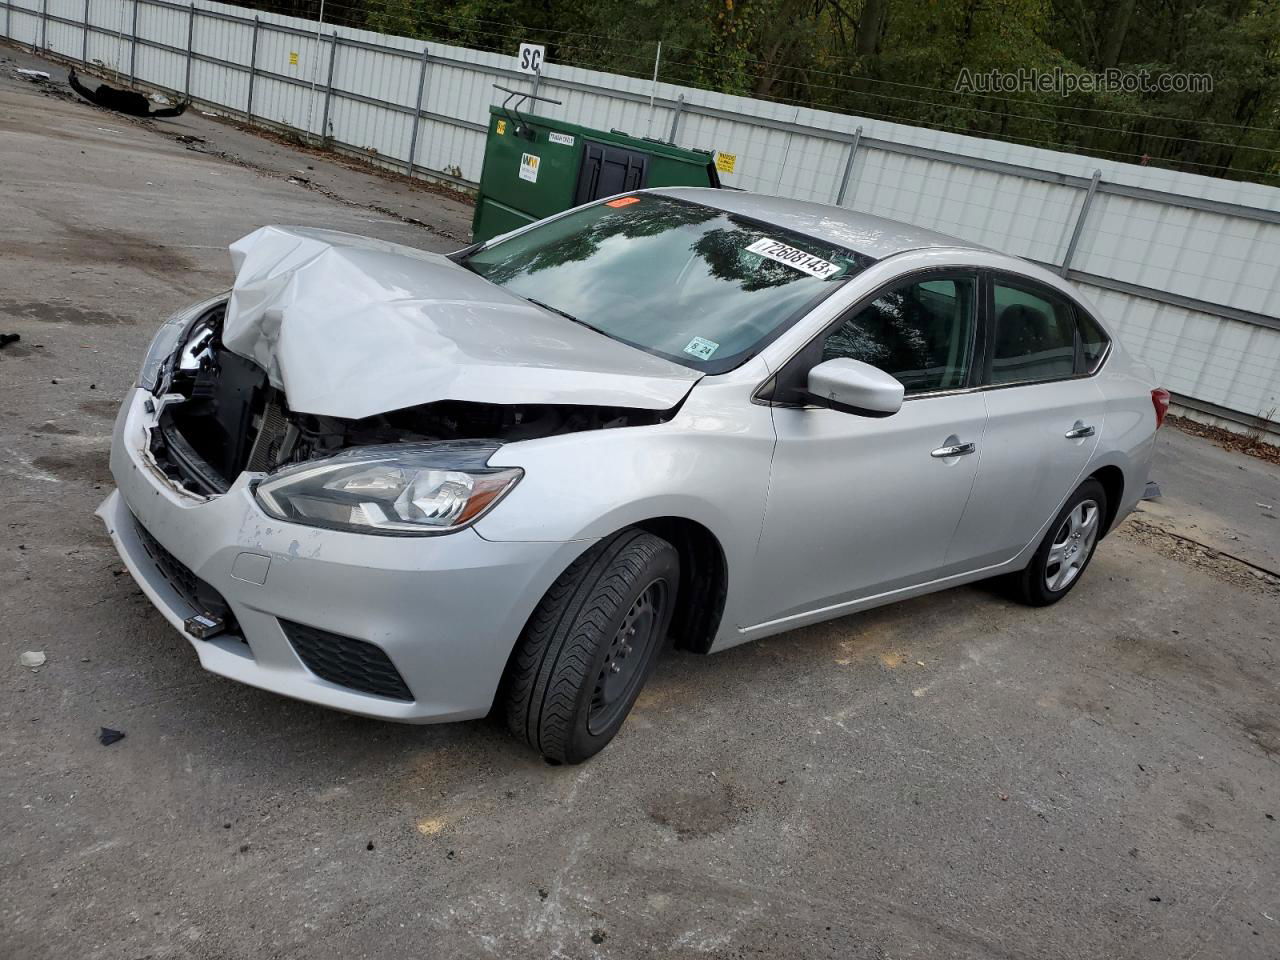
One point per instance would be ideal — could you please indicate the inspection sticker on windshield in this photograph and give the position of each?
(804, 262)
(702, 349)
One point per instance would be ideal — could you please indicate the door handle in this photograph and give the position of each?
(954, 450)
(1079, 431)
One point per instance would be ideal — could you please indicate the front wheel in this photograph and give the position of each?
(590, 645)
(1066, 550)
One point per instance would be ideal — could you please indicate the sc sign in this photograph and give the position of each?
(530, 59)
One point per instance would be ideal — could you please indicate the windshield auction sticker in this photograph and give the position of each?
(804, 262)
(702, 349)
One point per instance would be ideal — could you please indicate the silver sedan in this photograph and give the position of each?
(421, 488)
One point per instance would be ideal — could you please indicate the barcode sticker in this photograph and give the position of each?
(804, 262)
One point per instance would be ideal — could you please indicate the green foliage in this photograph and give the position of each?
(900, 60)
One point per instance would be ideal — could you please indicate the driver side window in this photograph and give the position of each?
(920, 332)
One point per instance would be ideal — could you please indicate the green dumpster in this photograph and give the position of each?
(534, 167)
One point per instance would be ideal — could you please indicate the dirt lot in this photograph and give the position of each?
(952, 777)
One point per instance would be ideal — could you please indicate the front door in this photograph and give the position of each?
(860, 505)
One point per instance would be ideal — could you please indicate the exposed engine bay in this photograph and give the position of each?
(230, 419)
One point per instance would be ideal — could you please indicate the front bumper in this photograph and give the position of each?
(445, 610)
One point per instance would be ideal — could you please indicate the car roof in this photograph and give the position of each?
(875, 237)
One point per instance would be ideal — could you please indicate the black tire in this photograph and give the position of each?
(562, 693)
(1034, 586)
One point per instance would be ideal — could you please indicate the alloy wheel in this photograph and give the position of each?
(1072, 545)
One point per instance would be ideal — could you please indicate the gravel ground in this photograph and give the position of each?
(955, 776)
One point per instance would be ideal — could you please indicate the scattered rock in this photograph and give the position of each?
(32, 659)
(598, 936)
(107, 736)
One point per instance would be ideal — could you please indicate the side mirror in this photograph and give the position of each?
(852, 386)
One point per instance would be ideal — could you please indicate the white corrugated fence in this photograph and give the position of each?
(1185, 268)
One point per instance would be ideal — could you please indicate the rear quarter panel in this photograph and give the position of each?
(1129, 432)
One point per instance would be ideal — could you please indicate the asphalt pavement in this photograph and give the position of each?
(952, 777)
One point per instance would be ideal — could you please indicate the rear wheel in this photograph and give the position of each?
(590, 646)
(1066, 550)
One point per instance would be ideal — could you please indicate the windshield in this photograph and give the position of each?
(694, 284)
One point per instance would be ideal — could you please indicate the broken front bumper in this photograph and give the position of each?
(321, 615)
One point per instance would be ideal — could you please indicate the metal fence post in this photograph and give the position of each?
(133, 44)
(417, 109)
(328, 90)
(253, 67)
(84, 36)
(1080, 218)
(44, 25)
(675, 120)
(848, 166)
(191, 38)
(653, 86)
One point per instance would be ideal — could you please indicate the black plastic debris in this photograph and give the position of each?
(107, 736)
(8, 338)
(122, 101)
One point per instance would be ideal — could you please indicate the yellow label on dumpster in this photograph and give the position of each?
(293, 58)
(725, 161)
(502, 127)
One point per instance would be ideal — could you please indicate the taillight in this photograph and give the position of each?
(1160, 400)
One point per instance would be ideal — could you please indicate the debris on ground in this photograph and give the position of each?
(32, 659)
(122, 101)
(1223, 565)
(8, 338)
(1250, 444)
(34, 76)
(107, 736)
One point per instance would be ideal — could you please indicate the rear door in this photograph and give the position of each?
(1044, 417)
(860, 505)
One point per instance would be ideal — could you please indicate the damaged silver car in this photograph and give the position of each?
(421, 487)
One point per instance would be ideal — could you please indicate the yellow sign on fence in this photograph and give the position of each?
(725, 161)
(293, 58)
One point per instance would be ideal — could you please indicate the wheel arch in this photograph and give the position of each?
(1112, 479)
(704, 580)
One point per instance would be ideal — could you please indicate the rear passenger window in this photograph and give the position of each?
(1093, 341)
(1034, 336)
(920, 332)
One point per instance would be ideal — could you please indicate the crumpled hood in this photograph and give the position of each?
(350, 327)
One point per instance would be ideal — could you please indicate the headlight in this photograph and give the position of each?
(404, 489)
(167, 339)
